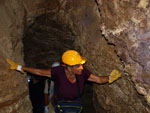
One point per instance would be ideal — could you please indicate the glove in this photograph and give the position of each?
(14, 66)
(114, 75)
(46, 109)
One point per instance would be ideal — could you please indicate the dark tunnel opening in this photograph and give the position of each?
(44, 42)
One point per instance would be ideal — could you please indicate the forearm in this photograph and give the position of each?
(103, 79)
(40, 72)
(114, 75)
(98, 79)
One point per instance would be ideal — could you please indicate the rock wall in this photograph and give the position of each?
(125, 24)
(16, 16)
(46, 40)
(14, 96)
(115, 34)
(111, 34)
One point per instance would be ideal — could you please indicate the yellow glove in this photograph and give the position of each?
(14, 66)
(114, 75)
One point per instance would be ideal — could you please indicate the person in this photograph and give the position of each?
(36, 88)
(49, 90)
(65, 76)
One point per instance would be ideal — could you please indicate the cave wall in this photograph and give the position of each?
(14, 96)
(16, 16)
(125, 24)
(115, 34)
(111, 34)
(45, 41)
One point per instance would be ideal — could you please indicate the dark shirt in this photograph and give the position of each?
(64, 89)
(37, 96)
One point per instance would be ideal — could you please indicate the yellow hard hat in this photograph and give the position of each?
(72, 57)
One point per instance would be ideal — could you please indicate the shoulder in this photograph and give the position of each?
(86, 73)
(57, 69)
(57, 72)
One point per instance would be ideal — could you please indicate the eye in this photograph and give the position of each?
(78, 65)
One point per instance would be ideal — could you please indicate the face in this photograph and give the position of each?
(77, 69)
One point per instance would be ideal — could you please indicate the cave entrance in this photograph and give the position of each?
(44, 42)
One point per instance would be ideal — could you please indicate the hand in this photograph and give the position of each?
(14, 66)
(46, 109)
(114, 75)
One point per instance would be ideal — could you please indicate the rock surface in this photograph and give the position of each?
(112, 34)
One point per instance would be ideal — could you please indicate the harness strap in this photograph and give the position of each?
(78, 86)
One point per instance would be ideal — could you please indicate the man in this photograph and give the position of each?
(36, 88)
(49, 91)
(64, 76)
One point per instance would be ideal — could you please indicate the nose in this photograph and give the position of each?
(81, 67)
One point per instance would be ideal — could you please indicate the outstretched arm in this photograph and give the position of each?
(40, 72)
(114, 75)
(98, 79)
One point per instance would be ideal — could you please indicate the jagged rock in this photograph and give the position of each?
(111, 34)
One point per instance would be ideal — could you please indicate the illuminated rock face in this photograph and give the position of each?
(110, 33)
(125, 25)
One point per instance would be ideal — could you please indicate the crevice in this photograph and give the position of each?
(15, 100)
